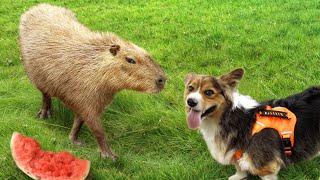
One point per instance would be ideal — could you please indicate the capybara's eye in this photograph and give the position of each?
(130, 60)
(208, 93)
(190, 88)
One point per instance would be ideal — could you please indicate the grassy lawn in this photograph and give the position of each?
(277, 42)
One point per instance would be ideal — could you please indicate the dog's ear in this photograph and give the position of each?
(189, 77)
(114, 49)
(233, 78)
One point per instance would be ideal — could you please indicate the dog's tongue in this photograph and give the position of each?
(194, 118)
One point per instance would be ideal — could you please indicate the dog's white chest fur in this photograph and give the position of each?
(216, 146)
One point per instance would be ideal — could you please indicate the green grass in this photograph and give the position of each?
(277, 42)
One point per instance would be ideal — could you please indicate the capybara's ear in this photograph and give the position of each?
(114, 49)
(188, 77)
(233, 78)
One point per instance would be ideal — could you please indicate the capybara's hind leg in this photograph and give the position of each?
(45, 111)
(77, 123)
(96, 128)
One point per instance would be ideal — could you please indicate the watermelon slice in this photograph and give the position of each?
(46, 165)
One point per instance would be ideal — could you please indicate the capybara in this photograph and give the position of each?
(82, 68)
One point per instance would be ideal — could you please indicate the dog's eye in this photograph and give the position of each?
(190, 88)
(208, 93)
(130, 60)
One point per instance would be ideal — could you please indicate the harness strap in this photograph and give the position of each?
(287, 144)
(237, 155)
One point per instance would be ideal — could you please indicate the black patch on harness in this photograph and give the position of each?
(273, 113)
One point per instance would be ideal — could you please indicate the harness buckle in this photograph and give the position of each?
(287, 146)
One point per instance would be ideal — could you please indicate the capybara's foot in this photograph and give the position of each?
(75, 141)
(44, 114)
(111, 155)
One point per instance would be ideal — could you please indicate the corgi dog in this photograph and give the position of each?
(226, 119)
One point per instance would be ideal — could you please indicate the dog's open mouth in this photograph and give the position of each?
(208, 111)
(195, 116)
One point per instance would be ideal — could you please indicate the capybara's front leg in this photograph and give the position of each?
(45, 111)
(77, 123)
(96, 128)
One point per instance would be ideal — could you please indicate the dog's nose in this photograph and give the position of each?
(161, 81)
(192, 102)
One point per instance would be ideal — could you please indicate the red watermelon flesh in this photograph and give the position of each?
(46, 165)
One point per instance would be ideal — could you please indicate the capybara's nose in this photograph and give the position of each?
(161, 81)
(192, 102)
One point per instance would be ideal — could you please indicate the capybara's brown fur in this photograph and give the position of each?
(82, 68)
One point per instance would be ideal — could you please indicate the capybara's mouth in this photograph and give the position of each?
(160, 88)
(153, 90)
(160, 82)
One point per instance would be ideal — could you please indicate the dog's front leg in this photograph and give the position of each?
(269, 177)
(239, 174)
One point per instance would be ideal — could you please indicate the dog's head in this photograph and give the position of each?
(209, 96)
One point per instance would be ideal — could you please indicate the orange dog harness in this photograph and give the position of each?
(280, 119)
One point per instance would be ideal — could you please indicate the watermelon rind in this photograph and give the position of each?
(13, 138)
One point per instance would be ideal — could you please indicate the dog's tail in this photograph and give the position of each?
(311, 94)
(312, 97)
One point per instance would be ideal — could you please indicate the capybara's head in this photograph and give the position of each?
(136, 69)
(209, 96)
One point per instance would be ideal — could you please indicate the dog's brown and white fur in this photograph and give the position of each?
(225, 119)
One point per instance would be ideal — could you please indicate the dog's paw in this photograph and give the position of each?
(269, 177)
(238, 176)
